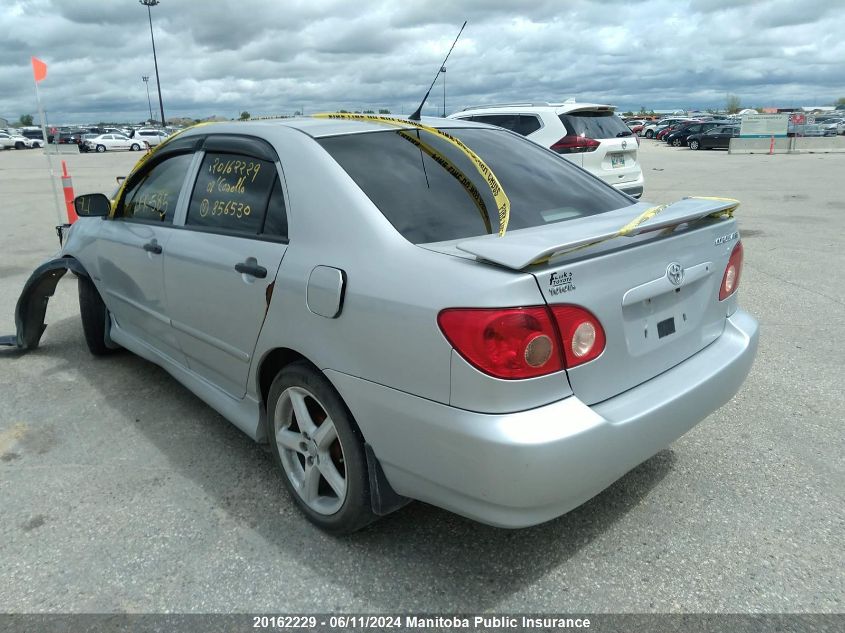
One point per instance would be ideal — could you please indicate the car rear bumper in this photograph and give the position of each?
(633, 188)
(519, 469)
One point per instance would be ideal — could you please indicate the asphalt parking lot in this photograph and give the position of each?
(122, 492)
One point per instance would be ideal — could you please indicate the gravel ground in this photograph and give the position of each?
(122, 492)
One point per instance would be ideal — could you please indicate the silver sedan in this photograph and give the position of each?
(441, 311)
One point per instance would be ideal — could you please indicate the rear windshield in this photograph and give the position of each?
(594, 124)
(427, 202)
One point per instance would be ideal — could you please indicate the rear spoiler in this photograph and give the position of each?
(536, 245)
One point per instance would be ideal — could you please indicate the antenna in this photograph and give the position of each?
(416, 115)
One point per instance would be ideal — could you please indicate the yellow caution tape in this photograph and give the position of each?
(725, 213)
(456, 173)
(503, 204)
(645, 215)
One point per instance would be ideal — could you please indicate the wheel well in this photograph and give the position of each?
(272, 364)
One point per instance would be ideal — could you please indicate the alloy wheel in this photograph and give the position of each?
(310, 450)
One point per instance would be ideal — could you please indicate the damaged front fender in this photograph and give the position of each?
(32, 303)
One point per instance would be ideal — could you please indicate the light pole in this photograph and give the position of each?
(443, 70)
(148, 4)
(146, 80)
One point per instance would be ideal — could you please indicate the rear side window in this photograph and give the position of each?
(523, 124)
(527, 124)
(231, 193)
(594, 124)
(426, 201)
(507, 121)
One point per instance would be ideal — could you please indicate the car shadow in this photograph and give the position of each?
(454, 561)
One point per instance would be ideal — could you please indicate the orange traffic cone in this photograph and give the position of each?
(67, 185)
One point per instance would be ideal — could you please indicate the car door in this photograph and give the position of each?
(710, 139)
(723, 138)
(130, 251)
(220, 270)
(121, 141)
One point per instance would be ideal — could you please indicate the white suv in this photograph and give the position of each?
(588, 134)
(151, 136)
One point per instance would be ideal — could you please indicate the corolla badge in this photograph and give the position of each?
(675, 273)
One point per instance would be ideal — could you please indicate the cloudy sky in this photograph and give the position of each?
(277, 56)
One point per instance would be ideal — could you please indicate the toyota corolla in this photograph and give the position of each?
(436, 310)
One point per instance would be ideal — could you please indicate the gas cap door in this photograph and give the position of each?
(324, 295)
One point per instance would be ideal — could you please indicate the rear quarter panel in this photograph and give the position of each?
(387, 330)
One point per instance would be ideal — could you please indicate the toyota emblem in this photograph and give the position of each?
(675, 273)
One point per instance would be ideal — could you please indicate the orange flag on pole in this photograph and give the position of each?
(39, 69)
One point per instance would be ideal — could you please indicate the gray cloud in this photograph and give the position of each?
(271, 57)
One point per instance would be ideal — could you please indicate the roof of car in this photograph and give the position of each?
(569, 105)
(320, 127)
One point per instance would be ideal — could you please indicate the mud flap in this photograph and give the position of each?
(383, 498)
(32, 303)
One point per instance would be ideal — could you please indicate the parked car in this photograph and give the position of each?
(663, 131)
(678, 137)
(83, 144)
(103, 142)
(831, 124)
(587, 134)
(151, 136)
(816, 129)
(68, 138)
(36, 135)
(12, 139)
(6, 141)
(651, 129)
(356, 294)
(717, 137)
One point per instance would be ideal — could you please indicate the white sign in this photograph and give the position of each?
(759, 125)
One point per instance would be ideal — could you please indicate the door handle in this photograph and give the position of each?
(251, 269)
(152, 247)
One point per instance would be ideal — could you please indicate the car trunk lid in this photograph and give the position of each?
(652, 320)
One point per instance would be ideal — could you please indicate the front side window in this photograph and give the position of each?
(153, 198)
(232, 193)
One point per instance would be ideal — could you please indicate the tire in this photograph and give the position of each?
(94, 317)
(19, 145)
(135, 147)
(300, 402)
(101, 148)
(649, 133)
(676, 142)
(694, 144)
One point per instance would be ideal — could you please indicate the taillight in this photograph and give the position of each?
(572, 144)
(507, 343)
(730, 280)
(582, 336)
(516, 343)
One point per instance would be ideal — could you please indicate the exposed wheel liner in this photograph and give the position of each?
(32, 303)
